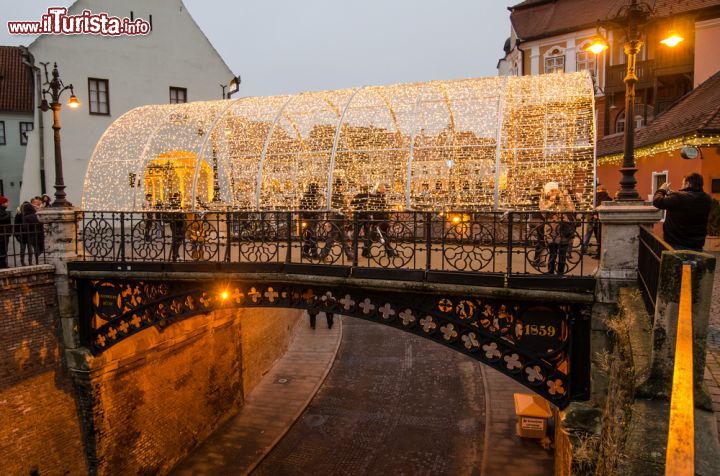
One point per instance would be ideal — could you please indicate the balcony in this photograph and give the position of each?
(645, 71)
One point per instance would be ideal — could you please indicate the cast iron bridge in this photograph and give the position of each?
(512, 290)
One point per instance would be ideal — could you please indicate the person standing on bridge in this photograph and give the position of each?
(177, 226)
(309, 204)
(5, 231)
(688, 209)
(559, 228)
(334, 228)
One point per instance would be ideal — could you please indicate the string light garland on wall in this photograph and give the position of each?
(670, 145)
(471, 144)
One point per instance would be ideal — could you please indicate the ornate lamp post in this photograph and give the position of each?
(55, 90)
(632, 19)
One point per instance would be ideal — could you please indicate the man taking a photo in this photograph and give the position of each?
(687, 214)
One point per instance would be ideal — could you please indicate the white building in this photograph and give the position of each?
(16, 118)
(175, 62)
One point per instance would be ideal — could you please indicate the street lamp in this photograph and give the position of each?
(232, 87)
(55, 90)
(631, 18)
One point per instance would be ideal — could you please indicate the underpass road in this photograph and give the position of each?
(393, 403)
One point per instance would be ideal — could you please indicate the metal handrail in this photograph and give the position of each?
(649, 258)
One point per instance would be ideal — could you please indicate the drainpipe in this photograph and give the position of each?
(29, 61)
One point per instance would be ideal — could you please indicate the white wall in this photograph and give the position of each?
(12, 154)
(140, 70)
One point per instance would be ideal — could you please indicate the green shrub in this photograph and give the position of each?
(714, 219)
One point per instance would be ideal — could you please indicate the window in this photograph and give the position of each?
(554, 61)
(658, 178)
(178, 95)
(99, 96)
(2, 133)
(620, 122)
(585, 61)
(715, 185)
(25, 127)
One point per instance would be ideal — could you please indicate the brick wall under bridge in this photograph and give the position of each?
(137, 408)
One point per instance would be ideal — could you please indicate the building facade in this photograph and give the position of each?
(550, 36)
(175, 62)
(16, 120)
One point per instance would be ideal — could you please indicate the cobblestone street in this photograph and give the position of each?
(397, 404)
(712, 365)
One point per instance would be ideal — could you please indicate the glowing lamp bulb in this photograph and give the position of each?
(224, 295)
(73, 102)
(673, 39)
(456, 219)
(597, 46)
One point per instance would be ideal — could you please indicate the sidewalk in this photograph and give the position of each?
(506, 453)
(271, 408)
(712, 363)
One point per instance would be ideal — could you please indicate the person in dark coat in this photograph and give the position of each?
(687, 214)
(335, 227)
(30, 233)
(177, 226)
(5, 231)
(373, 219)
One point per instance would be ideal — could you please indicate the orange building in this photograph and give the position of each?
(550, 36)
(690, 125)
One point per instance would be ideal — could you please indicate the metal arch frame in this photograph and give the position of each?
(498, 138)
(450, 146)
(171, 109)
(203, 147)
(258, 186)
(138, 110)
(413, 133)
(331, 166)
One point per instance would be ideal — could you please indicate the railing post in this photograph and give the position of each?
(658, 381)
(61, 247)
(288, 253)
(122, 236)
(356, 233)
(428, 241)
(619, 225)
(508, 271)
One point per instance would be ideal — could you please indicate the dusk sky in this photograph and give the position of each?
(286, 46)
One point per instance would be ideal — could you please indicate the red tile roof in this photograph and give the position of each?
(696, 112)
(16, 84)
(534, 19)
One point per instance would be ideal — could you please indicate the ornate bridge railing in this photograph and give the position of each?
(523, 249)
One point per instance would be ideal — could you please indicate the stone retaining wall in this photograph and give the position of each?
(153, 397)
(39, 426)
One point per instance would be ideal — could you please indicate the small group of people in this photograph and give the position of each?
(373, 222)
(25, 227)
(555, 226)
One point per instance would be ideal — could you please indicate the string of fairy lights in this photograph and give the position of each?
(471, 144)
(667, 146)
